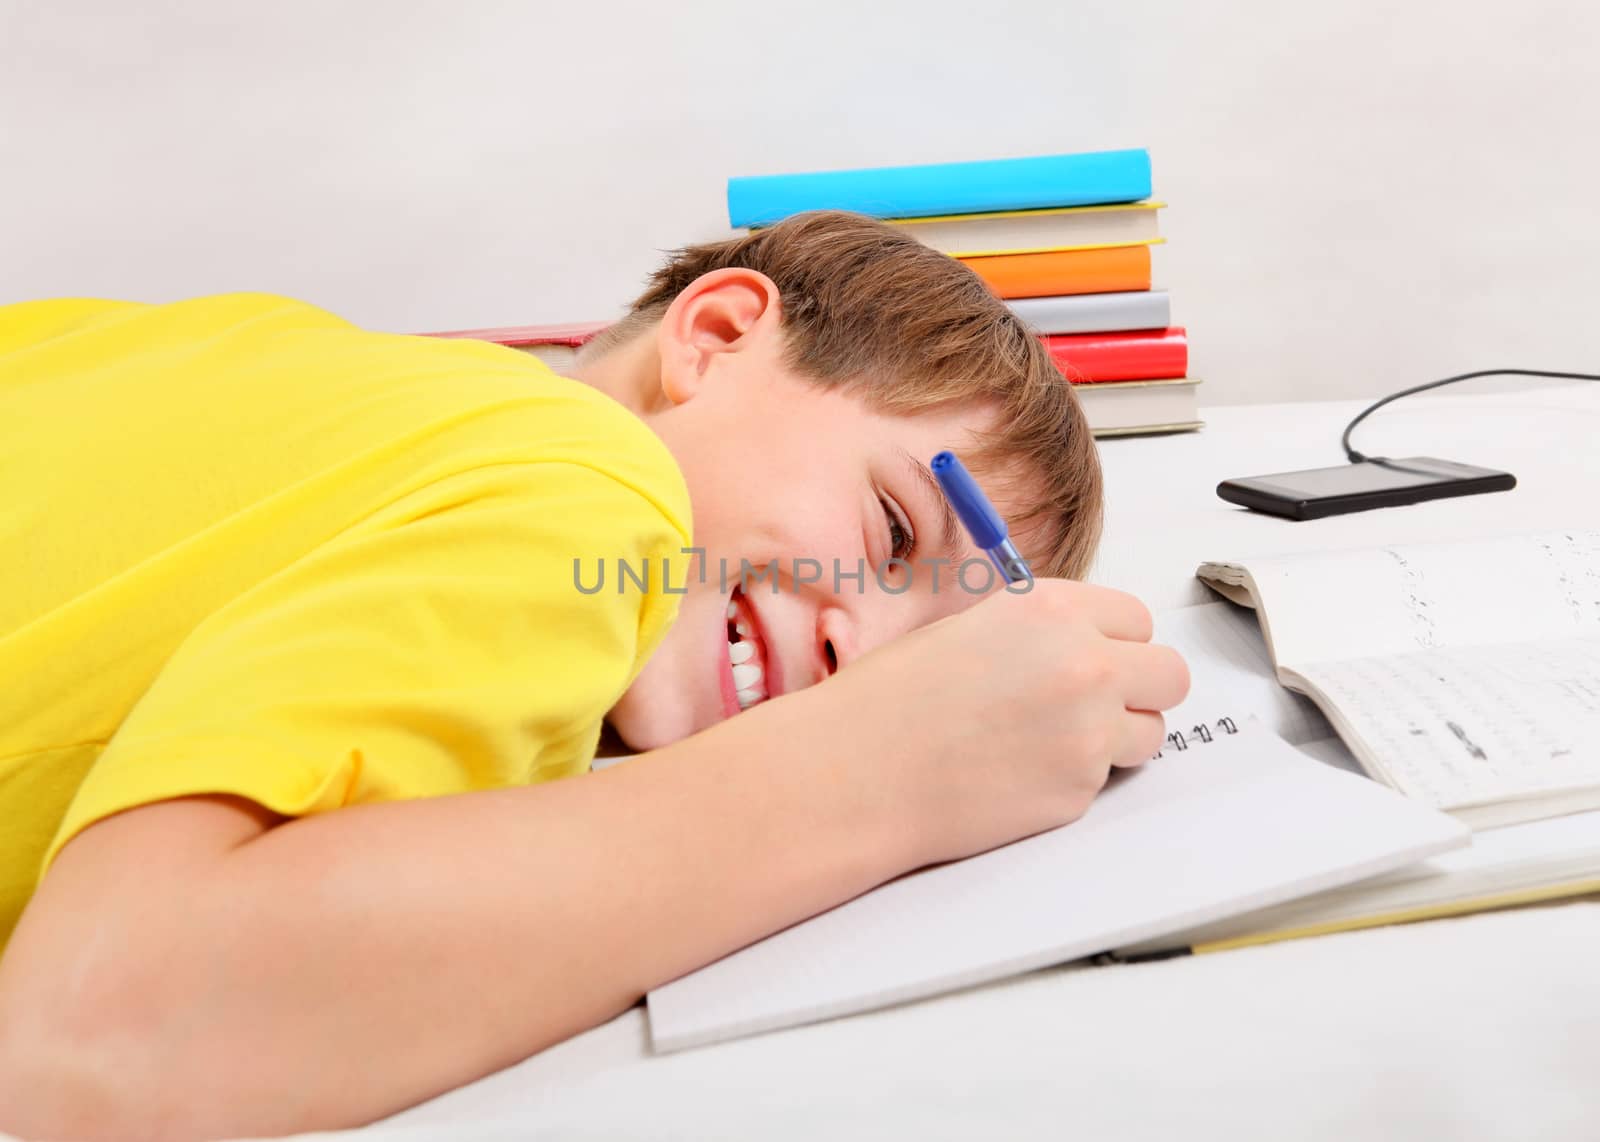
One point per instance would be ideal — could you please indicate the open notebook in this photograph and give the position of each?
(1239, 823)
(1465, 675)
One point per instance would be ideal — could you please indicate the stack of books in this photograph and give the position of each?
(1065, 239)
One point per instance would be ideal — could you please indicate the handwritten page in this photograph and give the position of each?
(1462, 728)
(1326, 606)
(1244, 823)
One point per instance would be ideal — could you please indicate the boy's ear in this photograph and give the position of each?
(725, 311)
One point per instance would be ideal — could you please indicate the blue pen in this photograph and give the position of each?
(982, 522)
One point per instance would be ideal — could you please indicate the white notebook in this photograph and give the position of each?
(1200, 834)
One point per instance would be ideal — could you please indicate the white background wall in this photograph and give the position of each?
(1364, 194)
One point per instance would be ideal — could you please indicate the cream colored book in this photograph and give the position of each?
(1129, 408)
(1028, 231)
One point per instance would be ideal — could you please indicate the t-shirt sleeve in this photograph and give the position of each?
(26, 325)
(440, 645)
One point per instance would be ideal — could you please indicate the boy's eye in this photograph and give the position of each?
(902, 542)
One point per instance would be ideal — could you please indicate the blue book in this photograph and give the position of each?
(1089, 179)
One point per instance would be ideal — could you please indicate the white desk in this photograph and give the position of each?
(1486, 1027)
(1163, 516)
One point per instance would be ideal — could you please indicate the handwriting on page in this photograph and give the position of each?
(1467, 725)
(1407, 597)
(1574, 557)
(1414, 591)
(1512, 589)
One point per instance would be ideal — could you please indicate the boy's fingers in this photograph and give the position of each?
(1118, 615)
(1146, 733)
(1154, 677)
(1115, 614)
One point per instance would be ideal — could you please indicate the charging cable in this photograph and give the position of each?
(1356, 457)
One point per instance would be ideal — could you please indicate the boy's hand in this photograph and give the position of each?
(1004, 720)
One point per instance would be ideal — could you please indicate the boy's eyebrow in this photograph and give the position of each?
(950, 524)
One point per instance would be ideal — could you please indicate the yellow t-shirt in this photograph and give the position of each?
(252, 549)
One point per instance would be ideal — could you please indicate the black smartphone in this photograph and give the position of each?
(1382, 483)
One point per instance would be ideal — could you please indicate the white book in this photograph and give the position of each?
(1095, 312)
(1242, 824)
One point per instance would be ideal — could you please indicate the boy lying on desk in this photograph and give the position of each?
(265, 566)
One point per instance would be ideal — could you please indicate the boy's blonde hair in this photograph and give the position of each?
(867, 307)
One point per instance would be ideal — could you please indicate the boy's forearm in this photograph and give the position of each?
(342, 967)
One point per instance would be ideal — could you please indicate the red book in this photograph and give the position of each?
(1140, 355)
(573, 335)
(556, 345)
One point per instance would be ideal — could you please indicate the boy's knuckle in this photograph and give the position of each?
(1086, 674)
(1048, 597)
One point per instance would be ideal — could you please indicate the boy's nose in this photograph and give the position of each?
(849, 626)
(836, 641)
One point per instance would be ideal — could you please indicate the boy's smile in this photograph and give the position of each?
(750, 675)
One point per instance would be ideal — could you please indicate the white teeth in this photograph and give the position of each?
(743, 657)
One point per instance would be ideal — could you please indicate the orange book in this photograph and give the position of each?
(1109, 269)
